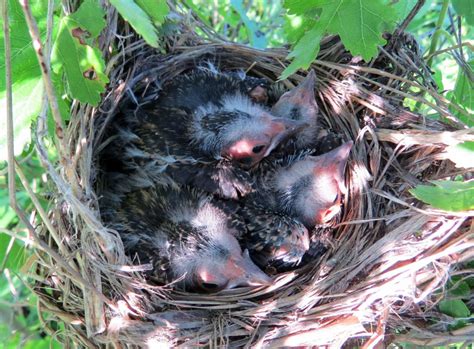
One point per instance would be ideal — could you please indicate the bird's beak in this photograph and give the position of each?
(301, 95)
(339, 157)
(281, 129)
(306, 88)
(335, 162)
(249, 273)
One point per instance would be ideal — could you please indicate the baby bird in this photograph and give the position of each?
(203, 131)
(186, 238)
(272, 239)
(300, 104)
(307, 188)
(275, 239)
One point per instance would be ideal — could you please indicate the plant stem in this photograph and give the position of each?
(48, 84)
(8, 84)
(437, 32)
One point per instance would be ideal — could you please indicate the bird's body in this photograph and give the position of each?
(210, 131)
(203, 131)
(272, 239)
(186, 238)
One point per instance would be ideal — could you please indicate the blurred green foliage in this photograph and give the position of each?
(297, 24)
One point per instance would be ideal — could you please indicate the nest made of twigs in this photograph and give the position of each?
(385, 259)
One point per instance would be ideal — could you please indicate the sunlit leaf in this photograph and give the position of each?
(138, 19)
(83, 64)
(461, 154)
(447, 195)
(299, 7)
(27, 82)
(27, 98)
(16, 257)
(465, 8)
(296, 26)
(359, 23)
(304, 52)
(403, 7)
(156, 9)
(463, 96)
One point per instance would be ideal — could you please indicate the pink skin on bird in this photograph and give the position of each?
(253, 150)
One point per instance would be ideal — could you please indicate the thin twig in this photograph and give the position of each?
(8, 84)
(40, 244)
(41, 211)
(405, 22)
(451, 48)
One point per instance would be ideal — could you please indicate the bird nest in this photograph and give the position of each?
(385, 260)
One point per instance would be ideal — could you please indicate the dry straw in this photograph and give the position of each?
(388, 259)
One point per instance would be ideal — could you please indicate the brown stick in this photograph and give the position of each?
(405, 22)
(46, 74)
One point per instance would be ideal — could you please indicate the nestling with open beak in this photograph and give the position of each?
(186, 238)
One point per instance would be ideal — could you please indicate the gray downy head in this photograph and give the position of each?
(215, 261)
(227, 267)
(311, 189)
(241, 130)
(300, 104)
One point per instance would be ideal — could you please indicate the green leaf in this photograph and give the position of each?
(304, 53)
(447, 195)
(138, 19)
(299, 7)
(27, 82)
(156, 9)
(461, 154)
(459, 289)
(456, 326)
(403, 7)
(43, 343)
(359, 23)
(17, 255)
(463, 96)
(438, 78)
(82, 64)
(296, 26)
(27, 99)
(455, 308)
(465, 8)
(256, 37)
(90, 17)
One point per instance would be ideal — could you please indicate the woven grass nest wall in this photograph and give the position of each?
(386, 257)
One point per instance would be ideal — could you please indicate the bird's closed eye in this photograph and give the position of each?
(257, 149)
(209, 286)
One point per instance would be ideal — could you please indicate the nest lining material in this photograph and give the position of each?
(386, 257)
